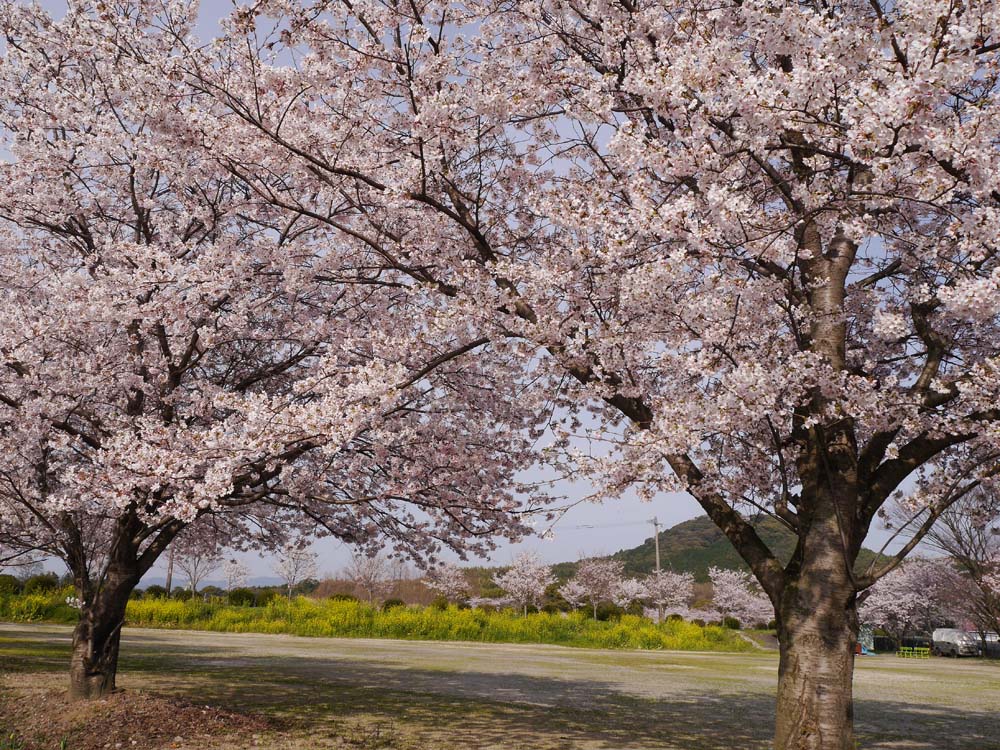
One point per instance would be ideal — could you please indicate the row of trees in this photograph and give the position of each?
(371, 575)
(338, 271)
(924, 594)
(528, 582)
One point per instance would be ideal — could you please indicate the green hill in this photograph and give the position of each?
(689, 547)
(695, 546)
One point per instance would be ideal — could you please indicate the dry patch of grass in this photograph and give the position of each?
(37, 715)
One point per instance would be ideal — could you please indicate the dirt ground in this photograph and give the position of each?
(291, 693)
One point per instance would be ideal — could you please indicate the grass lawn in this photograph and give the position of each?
(357, 693)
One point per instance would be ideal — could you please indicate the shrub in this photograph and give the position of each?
(343, 598)
(242, 598)
(440, 603)
(135, 594)
(155, 592)
(9, 584)
(393, 603)
(698, 621)
(675, 617)
(268, 596)
(607, 612)
(731, 622)
(307, 586)
(43, 583)
(181, 595)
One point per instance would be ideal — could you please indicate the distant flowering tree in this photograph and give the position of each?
(919, 594)
(736, 594)
(667, 590)
(370, 573)
(989, 591)
(969, 534)
(628, 591)
(574, 593)
(197, 565)
(196, 552)
(599, 580)
(525, 580)
(294, 565)
(450, 581)
(992, 579)
(495, 602)
(236, 573)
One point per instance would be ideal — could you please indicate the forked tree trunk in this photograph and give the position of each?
(817, 631)
(96, 639)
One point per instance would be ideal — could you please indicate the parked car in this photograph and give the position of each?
(955, 642)
(989, 643)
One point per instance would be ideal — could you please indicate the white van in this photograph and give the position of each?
(954, 642)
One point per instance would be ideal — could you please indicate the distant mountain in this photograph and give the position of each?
(695, 546)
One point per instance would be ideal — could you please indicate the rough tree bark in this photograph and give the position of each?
(104, 595)
(96, 638)
(815, 602)
(817, 632)
(815, 708)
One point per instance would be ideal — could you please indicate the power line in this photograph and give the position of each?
(599, 526)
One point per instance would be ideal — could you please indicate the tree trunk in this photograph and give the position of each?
(96, 638)
(818, 630)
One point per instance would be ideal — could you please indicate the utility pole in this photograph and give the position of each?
(656, 544)
(656, 541)
(170, 569)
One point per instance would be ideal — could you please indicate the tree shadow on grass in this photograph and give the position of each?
(487, 710)
(446, 708)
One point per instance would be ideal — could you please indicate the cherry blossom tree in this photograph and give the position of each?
(598, 580)
(525, 580)
(177, 350)
(920, 594)
(370, 574)
(236, 573)
(969, 534)
(450, 581)
(992, 581)
(574, 593)
(197, 565)
(736, 594)
(669, 591)
(295, 564)
(628, 591)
